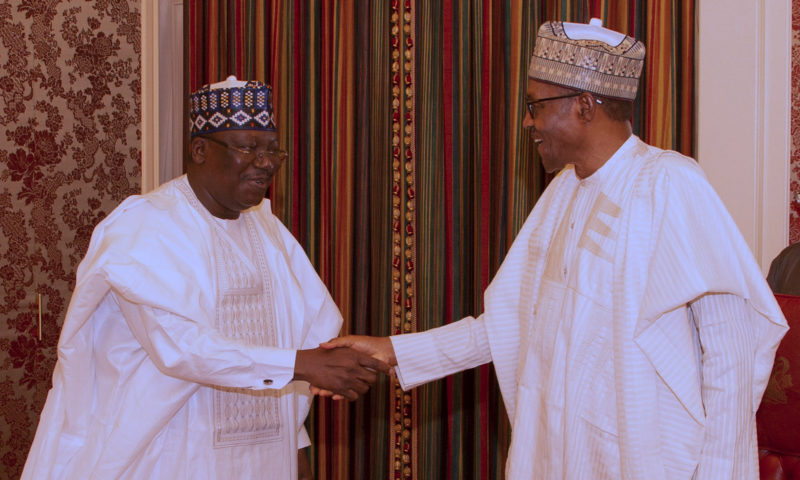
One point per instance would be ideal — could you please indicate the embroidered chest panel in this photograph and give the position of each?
(245, 314)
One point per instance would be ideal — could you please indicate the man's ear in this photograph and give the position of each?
(198, 149)
(586, 107)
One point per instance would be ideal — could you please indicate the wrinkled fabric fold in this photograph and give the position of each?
(141, 356)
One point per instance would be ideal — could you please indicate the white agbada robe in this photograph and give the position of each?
(630, 328)
(177, 352)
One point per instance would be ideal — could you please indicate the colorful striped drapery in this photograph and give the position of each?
(409, 175)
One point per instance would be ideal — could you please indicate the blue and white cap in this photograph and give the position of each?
(231, 105)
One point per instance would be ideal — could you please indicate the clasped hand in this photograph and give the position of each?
(345, 372)
(379, 349)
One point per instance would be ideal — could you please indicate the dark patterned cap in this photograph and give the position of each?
(231, 105)
(589, 58)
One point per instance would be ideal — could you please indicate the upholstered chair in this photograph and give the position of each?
(778, 417)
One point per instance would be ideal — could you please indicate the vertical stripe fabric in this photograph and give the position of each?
(409, 175)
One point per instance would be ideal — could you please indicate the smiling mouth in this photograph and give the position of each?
(260, 181)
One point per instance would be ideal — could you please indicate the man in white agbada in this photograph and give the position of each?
(630, 328)
(195, 323)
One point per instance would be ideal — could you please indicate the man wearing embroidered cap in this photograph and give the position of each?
(195, 322)
(630, 327)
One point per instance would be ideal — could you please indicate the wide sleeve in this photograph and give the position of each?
(694, 248)
(321, 319)
(728, 347)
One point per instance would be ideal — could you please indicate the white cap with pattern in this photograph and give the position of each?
(588, 57)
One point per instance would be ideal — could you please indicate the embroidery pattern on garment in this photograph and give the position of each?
(599, 228)
(243, 416)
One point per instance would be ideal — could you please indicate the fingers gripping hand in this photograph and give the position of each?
(323, 393)
(378, 347)
(342, 371)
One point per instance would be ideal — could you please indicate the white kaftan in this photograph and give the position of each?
(630, 328)
(177, 352)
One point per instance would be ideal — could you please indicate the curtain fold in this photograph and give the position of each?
(409, 175)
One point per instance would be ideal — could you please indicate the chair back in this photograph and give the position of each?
(778, 416)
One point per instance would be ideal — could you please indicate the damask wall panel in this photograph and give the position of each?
(69, 153)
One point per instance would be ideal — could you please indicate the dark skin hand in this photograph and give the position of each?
(377, 347)
(343, 371)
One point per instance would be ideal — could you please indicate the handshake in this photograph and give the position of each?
(345, 367)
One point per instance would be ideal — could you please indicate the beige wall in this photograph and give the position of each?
(743, 128)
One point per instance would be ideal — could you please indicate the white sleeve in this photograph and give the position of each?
(185, 349)
(433, 354)
(728, 347)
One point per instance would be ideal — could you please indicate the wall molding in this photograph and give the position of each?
(150, 60)
(743, 111)
(162, 92)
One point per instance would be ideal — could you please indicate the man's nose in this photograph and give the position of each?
(266, 160)
(527, 120)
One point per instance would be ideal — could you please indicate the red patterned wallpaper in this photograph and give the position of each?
(794, 178)
(69, 153)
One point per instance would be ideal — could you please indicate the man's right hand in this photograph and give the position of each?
(379, 347)
(342, 371)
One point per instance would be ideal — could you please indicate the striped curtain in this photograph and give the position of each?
(409, 175)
